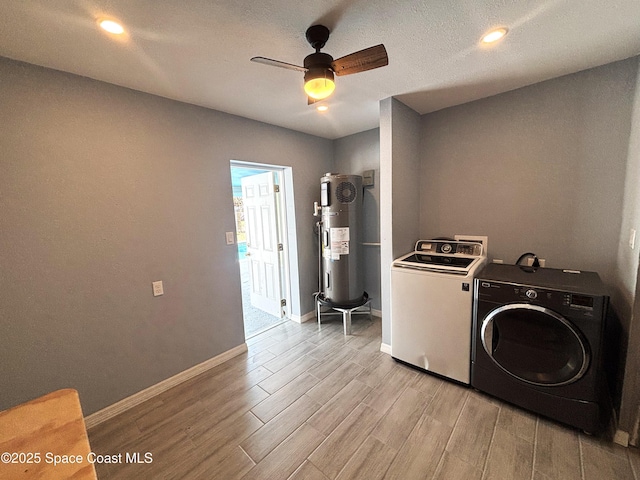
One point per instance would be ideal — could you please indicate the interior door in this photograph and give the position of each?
(259, 195)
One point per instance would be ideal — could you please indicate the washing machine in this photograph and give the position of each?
(431, 306)
(538, 341)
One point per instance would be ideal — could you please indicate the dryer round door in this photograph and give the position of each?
(535, 344)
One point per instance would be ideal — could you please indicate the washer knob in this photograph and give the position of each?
(446, 248)
(531, 294)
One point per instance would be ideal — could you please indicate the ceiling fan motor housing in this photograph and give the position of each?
(318, 65)
(318, 60)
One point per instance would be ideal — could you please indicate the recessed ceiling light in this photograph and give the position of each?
(495, 35)
(111, 26)
(322, 108)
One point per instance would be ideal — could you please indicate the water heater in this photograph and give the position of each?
(340, 231)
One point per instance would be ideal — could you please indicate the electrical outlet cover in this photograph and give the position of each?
(157, 288)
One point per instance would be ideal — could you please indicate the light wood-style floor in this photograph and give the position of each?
(316, 405)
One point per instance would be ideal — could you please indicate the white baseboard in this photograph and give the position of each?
(385, 348)
(376, 313)
(621, 438)
(144, 395)
(304, 318)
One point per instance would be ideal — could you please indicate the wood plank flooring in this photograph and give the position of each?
(304, 404)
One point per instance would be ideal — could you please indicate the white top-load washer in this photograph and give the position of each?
(431, 305)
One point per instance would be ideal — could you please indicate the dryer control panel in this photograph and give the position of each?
(584, 302)
(565, 303)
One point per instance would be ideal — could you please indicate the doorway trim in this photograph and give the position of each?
(287, 227)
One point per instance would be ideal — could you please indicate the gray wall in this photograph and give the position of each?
(400, 193)
(540, 169)
(628, 278)
(353, 155)
(104, 190)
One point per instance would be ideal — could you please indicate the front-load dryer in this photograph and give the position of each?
(538, 341)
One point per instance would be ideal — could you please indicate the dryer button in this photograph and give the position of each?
(531, 294)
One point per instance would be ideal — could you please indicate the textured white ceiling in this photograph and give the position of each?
(198, 51)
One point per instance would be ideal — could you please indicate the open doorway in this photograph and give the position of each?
(261, 223)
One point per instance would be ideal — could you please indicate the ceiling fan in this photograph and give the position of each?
(319, 68)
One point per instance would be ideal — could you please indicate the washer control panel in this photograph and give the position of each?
(447, 247)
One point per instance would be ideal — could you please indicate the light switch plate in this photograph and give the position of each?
(157, 288)
(230, 238)
(368, 178)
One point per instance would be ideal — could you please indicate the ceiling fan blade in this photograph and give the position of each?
(278, 63)
(367, 59)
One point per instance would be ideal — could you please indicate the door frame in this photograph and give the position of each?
(286, 224)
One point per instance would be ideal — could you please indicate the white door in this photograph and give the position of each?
(261, 223)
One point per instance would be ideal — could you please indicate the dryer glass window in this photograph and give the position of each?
(535, 345)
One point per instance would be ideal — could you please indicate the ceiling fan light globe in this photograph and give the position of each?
(111, 26)
(318, 81)
(319, 88)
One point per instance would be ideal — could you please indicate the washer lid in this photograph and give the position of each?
(439, 260)
(452, 264)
